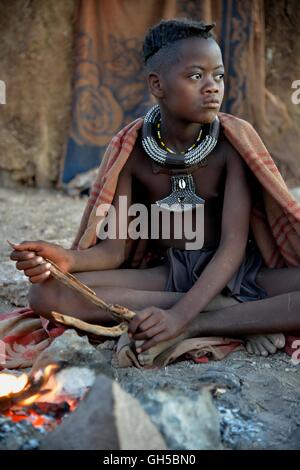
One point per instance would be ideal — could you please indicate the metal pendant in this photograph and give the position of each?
(183, 196)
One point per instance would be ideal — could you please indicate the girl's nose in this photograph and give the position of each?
(210, 86)
(211, 90)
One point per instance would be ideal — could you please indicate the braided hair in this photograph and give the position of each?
(161, 41)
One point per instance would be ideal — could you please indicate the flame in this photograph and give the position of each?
(10, 384)
(38, 397)
(46, 373)
(47, 376)
(30, 400)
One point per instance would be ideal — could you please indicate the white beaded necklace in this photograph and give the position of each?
(194, 155)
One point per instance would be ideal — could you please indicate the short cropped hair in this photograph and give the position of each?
(161, 42)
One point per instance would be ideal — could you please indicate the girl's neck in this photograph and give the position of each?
(177, 134)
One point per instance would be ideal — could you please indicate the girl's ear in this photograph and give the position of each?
(155, 85)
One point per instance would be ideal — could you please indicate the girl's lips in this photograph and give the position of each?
(211, 105)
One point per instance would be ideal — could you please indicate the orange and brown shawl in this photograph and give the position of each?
(275, 215)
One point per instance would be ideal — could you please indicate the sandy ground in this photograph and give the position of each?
(259, 402)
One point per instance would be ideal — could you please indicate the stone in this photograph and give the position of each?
(73, 382)
(73, 350)
(186, 421)
(107, 419)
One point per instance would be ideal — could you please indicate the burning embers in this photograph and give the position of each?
(43, 398)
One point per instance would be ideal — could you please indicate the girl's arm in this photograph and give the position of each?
(234, 237)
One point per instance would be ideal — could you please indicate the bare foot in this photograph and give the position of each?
(263, 345)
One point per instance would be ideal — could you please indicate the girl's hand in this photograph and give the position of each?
(155, 325)
(30, 258)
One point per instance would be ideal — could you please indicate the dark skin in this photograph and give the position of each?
(183, 94)
(209, 181)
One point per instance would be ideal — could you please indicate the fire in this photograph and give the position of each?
(46, 376)
(37, 420)
(10, 384)
(44, 397)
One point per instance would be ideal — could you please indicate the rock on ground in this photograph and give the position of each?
(71, 349)
(107, 419)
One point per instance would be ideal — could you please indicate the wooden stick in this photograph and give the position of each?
(117, 311)
(96, 330)
(68, 278)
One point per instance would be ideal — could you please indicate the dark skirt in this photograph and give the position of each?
(185, 267)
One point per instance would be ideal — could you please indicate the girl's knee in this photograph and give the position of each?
(43, 297)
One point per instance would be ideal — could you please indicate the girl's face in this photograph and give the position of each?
(193, 88)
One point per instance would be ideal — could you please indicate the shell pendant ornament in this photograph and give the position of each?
(183, 196)
(182, 184)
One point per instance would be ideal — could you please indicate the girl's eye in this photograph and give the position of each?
(220, 76)
(196, 76)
